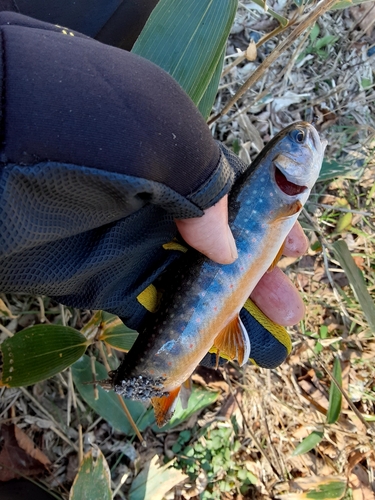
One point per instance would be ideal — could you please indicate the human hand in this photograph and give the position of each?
(275, 294)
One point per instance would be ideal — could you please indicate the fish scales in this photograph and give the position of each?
(206, 297)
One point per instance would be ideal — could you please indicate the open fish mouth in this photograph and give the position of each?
(286, 186)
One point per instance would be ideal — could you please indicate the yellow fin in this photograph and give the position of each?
(233, 342)
(175, 245)
(149, 298)
(165, 406)
(277, 258)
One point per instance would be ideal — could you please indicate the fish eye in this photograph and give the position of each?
(298, 135)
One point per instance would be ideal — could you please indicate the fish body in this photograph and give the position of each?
(201, 308)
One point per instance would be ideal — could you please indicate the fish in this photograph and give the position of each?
(200, 309)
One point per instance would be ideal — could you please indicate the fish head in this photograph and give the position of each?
(297, 158)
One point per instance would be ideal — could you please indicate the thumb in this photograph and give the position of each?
(211, 234)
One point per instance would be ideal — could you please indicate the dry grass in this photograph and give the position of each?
(274, 409)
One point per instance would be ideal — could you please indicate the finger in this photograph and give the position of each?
(278, 298)
(296, 243)
(210, 234)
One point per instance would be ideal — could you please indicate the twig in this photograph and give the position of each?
(56, 424)
(42, 310)
(6, 331)
(122, 402)
(283, 46)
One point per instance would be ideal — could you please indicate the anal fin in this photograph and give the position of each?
(164, 407)
(233, 342)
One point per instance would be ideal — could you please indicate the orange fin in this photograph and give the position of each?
(287, 211)
(165, 406)
(233, 342)
(277, 258)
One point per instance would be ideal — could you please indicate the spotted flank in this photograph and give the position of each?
(202, 309)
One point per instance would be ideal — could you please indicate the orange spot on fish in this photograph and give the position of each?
(169, 363)
(191, 347)
(215, 308)
(231, 286)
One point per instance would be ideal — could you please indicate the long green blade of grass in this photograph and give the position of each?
(335, 396)
(308, 443)
(187, 39)
(356, 281)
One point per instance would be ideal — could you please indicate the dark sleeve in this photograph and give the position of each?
(69, 100)
(115, 22)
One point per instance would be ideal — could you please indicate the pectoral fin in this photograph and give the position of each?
(233, 342)
(165, 406)
(277, 258)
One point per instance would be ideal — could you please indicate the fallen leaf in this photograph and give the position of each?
(359, 261)
(93, 479)
(317, 487)
(365, 14)
(251, 51)
(361, 489)
(19, 455)
(356, 457)
(153, 482)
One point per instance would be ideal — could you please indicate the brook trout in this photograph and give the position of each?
(201, 311)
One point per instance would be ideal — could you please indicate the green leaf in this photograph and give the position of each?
(335, 396)
(333, 490)
(366, 83)
(153, 482)
(308, 443)
(39, 352)
(332, 169)
(93, 479)
(187, 39)
(314, 32)
(326, 40)
(344, 222)
(356, 280)
(344, 4)
(116, 334)
(208, 99)
(199, 399)
(108, 405)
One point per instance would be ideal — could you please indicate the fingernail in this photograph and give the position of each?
(232, 245)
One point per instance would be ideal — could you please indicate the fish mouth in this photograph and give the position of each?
(287, 187)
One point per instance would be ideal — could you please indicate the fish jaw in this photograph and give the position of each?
(301, 158)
